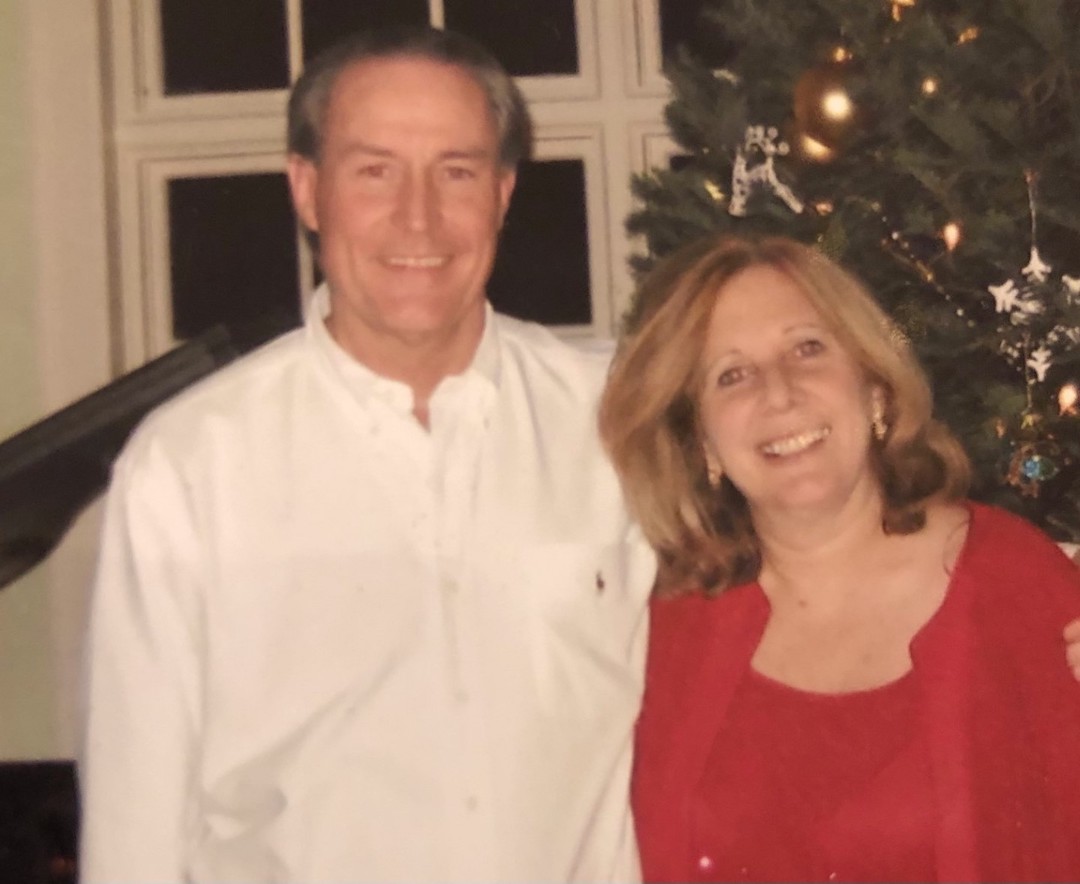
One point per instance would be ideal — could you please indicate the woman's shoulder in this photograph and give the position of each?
(1006, 543)
(1017, 574)
(685, 624)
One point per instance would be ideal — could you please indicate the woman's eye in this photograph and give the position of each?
(730, 376)
(809, 347)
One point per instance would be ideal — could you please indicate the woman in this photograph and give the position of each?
(854, 673)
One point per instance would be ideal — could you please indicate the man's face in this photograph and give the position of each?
(407, 198)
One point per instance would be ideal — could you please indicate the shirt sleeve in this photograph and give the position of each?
(141, 690)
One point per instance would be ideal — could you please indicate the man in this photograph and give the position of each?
(368, 605)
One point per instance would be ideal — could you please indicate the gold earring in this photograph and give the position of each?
(715, 476)
(877, 422)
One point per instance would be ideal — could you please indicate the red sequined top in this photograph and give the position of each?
(821, 787)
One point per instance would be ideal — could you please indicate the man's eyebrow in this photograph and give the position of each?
(468, 153)
(474, 153)
(363, 147)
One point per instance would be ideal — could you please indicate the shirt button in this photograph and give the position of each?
(704, 863)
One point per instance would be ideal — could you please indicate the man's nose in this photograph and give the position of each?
(418, 203)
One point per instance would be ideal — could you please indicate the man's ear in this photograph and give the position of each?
(506, 190)
(303, 177)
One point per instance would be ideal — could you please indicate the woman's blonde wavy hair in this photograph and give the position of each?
(649, 422)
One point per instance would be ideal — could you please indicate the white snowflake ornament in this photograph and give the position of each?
(1039, 361)
(1036, 270)
(1005, 295)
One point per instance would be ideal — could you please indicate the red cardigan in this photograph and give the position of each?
(1000, 711)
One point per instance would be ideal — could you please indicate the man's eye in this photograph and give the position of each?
(460, 173)
(370, 170)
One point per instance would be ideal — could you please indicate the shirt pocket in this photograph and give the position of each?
(587, 615)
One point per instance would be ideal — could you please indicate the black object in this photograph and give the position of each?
(39, 823)
(52, 470)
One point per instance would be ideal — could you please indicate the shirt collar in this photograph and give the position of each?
(483, 371)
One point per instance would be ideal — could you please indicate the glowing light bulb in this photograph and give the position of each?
(929, 86)
(952, 234)
(1067, 397)
(814, 150)
(836, 105)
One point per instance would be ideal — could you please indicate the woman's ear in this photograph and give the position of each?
(713, 466)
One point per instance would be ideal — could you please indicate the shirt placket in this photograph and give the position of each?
(467, 793)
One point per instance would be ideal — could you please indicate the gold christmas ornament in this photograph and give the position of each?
(824, 108)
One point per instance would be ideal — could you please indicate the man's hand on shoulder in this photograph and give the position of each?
(1072, 647)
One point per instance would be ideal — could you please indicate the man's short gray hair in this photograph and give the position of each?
(310, 95)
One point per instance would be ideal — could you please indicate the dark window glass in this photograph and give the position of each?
(233, 251)
(683, 23)
(327, 21)
(542, 269)
(530, 37)
(231, 46)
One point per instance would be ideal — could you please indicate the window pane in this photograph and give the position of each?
(215, 46)
(327, 21)
(233, 250)
(530, 37)
(682, 23)
(542, 269)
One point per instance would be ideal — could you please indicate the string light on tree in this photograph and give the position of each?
(898, 7)
(1067, 398)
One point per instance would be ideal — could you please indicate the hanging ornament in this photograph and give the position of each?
(755, 167)
(824, 107)
(1032, 465)
(1027, 298)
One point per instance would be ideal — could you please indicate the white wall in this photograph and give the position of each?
(54, 321)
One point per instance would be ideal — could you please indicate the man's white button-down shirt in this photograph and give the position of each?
(329, 645)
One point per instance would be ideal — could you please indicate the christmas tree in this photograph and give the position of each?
(933, 148)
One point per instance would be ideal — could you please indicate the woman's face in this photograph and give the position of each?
(785, 410)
